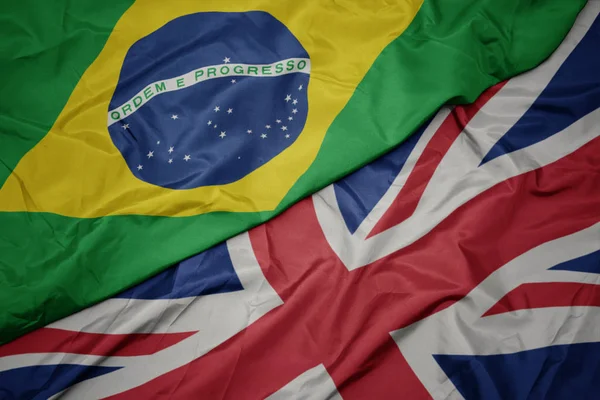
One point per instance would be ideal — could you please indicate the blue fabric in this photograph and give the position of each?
(572, 93)
(358, 193)
(555, 372)
(589, 263)
(43, 381)
(206, 273)
(184, 45)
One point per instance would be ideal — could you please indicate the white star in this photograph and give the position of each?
(186, 157)
(295, 102)
(239, 158)
(287, 136)
(284, 128)
(263, 136)
(209, 122)
(217, 108)
(249, 131)
(140, 167)
(278, 121)
(125, 126)
(171, 149)
(222, 135)
(158, 142)
(226, 60)
(229, 111)
(150, 154)
(290, 118)
(268, 126)
(294, 111)
(174, 116)
(215, 126)
(233, 81)
(300, 87)
(170, 160)
(288, 97)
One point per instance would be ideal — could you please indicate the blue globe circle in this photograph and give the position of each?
(248, 104)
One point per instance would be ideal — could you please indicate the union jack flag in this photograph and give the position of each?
(463, 264)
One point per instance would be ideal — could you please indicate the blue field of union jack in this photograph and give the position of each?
(464, 264)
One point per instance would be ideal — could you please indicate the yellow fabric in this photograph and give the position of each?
(77, 171)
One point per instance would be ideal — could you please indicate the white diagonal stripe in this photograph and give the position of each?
(460, 329)
(122, 316)
(388, 198)
(316, 383)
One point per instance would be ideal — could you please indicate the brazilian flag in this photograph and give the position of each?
(136, 134)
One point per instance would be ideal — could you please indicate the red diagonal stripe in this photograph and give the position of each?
(50, 340)
(554, 294)
(343, 319)
(407, 200)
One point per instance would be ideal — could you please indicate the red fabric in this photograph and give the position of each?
(343, 319)
(50, 340)
(554, 294)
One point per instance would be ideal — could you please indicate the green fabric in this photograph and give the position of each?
(45, 47)
(52, 266)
